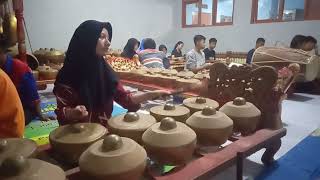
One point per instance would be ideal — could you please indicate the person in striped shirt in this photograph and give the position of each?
(150, 57)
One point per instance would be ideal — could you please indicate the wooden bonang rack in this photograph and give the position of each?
(212, 163)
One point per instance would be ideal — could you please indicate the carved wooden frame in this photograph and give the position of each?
(257, 85)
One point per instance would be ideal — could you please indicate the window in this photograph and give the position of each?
(268, 9)
(293, 10)
(206, 12)
(198, 13)
(224, 11)
(283, 10)
(192, 14)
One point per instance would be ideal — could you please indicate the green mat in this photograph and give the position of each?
(39, 131)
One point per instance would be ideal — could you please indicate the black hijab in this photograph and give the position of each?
(128, 51)
(88, 74)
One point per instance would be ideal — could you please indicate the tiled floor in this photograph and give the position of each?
(301, 114)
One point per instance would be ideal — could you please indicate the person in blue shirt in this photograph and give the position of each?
(22, 78)
(141, 47)
(259, 43)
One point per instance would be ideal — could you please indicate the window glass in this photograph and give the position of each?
(225, 11)
(268, 9)
(192, 14)
(206, 12)
(293, 10)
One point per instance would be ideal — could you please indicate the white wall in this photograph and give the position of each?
(52, 23)
(241, 36)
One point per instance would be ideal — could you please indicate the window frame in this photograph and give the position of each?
(254, 13)
(214, 14)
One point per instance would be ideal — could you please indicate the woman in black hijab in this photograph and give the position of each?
(130, 49)
(86, 86)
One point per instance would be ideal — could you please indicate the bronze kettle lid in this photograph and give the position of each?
(16, 146)
(154, 70)
(113, 146)
(112, 155)
(169, 72)
(239, 107)
(139, 71)
(200, 103)
(188, 80)
(45, 68)
(170, 109)
(209, 118)
(40, 51)
(54, 52)
(132, 121)
(185, 74)
(19, 167)
(169, 133)
(78, 133)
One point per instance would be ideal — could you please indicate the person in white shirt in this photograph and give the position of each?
(196, 58)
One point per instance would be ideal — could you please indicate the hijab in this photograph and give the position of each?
(86, 72)
(128, 51)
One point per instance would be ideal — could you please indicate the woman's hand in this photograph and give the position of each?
(158, 93)
(76, 114)
(44, 118)
(151, 95)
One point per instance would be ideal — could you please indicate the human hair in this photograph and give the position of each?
(310, 39)
(161, 47)
(178, 44)
(297, 41)
(198, 38)
(128, 50)
(260, 40)
(212, 40)
(149, 44)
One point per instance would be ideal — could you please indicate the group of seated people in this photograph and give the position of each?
(151, 57)
(199, 56)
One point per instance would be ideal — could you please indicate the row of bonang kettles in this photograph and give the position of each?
(168, 136)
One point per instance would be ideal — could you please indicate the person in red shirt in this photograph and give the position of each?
(86, 86)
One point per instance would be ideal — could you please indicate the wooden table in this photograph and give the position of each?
(140, 86)
(42, 84)
(212, 163)
(143, 86)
